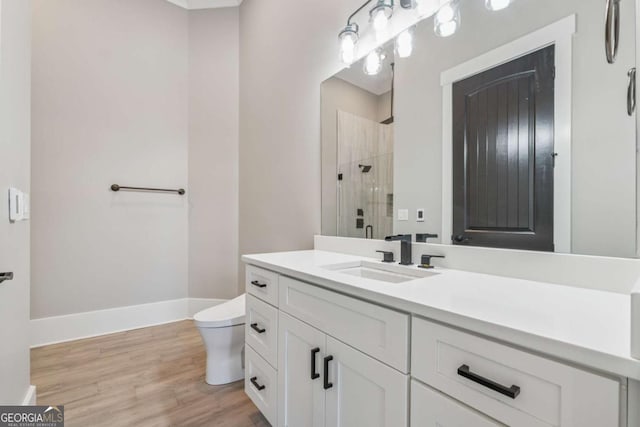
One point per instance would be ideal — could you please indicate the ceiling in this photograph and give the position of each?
(205, 4)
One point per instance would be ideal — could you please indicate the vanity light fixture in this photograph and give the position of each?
(380, 15)
(404, 43)
(348, 39)
(373, 63)
(447, 19)
(497, 4)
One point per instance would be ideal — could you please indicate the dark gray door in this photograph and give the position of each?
(503, 155)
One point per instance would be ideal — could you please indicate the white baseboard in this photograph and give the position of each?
(52, 330)
(30, 397)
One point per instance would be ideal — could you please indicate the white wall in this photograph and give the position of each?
(110, 105)
(213, 152)
(15, 49)
(285, 53)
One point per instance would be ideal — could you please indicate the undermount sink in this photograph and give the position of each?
(389, 273)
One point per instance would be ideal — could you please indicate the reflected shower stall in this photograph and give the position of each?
(365, 177)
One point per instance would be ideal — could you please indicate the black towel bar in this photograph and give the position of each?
(116, 187)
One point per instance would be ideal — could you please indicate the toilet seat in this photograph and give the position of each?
(230, 313)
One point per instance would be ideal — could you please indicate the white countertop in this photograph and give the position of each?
(586, 327)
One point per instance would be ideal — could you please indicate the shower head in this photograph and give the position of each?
(365, 168)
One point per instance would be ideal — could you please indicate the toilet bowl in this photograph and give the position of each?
(222, 331)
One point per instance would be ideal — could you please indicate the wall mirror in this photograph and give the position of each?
(517, 131)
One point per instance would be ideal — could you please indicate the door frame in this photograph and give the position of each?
(560, 34)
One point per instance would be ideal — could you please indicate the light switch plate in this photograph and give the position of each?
(16, 210)
(403, 214)
(420, 215)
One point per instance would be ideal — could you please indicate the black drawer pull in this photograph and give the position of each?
(258, 284)
(511, 392)
(255, 327)
(327, 384)
(6, 276)
(314, 374)
(256, 385)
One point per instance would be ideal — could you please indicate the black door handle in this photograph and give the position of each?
(327, 384)
(6, 276)
(254, 381)
(314, 374)
(460, 238)
(511, 392)
(255, 327)
(258, 284)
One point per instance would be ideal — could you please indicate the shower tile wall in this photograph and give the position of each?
(364, 198)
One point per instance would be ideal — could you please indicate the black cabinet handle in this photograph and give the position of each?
(511, 392)
(327, 384)
(6, 276)
(631, 92)
(314, 374)
(254, 381)
(612, 30)
(255, 327)
(258, 284)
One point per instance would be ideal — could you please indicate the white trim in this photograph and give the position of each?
(205, 4)
(559, 33)
(57, 329)
(30, 396)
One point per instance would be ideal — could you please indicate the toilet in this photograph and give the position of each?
(222, 331)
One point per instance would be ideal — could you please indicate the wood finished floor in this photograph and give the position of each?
(145, 377)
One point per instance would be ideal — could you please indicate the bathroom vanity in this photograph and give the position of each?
(343, 340)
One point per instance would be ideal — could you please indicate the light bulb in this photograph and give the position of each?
(497, 4)
(446, 13)
(348, 40)
(447, 20)
(380, 20)
(404, 44)
(446, 29)
(347, 49)
(372, 63)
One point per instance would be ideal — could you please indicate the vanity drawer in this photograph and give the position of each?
(377, 331)
(483, 373)
(430, 408)
(262, 329)
(261, 384)
(262, 284)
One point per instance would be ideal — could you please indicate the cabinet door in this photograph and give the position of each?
(363, 391)
(430, 408)
(301, 399)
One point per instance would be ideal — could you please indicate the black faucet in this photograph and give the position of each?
(405, 247)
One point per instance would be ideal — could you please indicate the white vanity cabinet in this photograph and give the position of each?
(261, 341)
(430, 408)
(514, 387)
(328, 359)
(325, 382)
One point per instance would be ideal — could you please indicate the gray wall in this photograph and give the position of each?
(15, 76)
(213, 152)
(110, 105)
(603, 194)
(281, 70)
